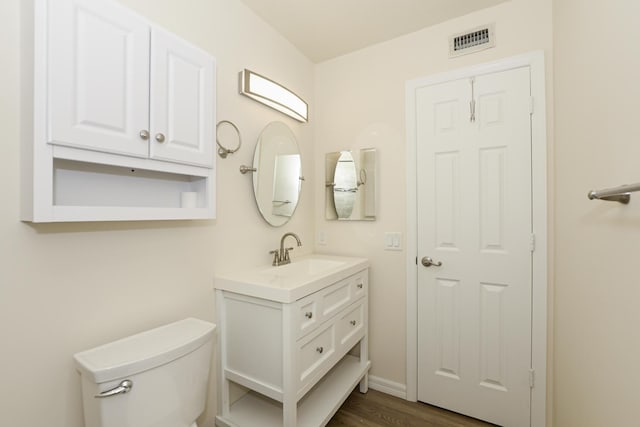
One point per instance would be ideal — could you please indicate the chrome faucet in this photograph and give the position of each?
(281, 257)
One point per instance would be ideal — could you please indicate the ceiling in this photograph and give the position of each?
(324, 29)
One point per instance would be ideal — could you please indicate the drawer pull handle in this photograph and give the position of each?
(353, 322)
(359, 285)
(308, 315)
(320, 350)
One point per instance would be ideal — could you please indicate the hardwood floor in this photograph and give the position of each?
(376, 409)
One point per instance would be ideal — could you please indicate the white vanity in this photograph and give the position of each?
(295, 336)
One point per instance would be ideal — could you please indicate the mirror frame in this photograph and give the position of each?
(365, 209)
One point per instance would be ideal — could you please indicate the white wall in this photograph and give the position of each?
(597, 345)
(69, 287)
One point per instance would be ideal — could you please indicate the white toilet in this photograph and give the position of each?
(157, 378)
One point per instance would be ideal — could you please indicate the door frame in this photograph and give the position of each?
(535, 61)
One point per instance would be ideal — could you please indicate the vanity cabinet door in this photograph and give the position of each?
(98, 82)
(118, 84)
(182, 101)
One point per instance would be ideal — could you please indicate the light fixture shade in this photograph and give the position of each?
(274, 95)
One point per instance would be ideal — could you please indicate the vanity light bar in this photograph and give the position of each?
(274, 95)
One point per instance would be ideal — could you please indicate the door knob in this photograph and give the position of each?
(160, 137)
(144, 134)
(428, 262)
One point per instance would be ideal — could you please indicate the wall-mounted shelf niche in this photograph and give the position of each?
(86, 191)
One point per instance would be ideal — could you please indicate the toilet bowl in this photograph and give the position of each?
(157, 378)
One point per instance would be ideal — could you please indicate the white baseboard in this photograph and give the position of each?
(388, 387)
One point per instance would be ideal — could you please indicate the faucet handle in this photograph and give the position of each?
(286, 254)
(276, 258)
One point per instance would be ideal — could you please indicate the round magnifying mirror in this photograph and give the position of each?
(277, 179)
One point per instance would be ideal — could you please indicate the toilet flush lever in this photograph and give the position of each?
(125, 386)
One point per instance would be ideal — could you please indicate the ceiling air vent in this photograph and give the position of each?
(472, 41)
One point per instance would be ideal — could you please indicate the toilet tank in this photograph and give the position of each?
(168, 369)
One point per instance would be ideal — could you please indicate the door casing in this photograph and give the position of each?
(535, 62)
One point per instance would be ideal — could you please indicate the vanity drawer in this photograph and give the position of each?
(315, 309)
(351, 326)
(315, 353)
(360, 285)
(336, 297)
(307, 315)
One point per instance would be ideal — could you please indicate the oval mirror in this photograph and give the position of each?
(277, 179)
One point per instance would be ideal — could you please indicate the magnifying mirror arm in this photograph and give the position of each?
(363, 177)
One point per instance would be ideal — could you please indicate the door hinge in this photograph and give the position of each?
(531, 104)
(532, 378)
(532, 242)
(472, 103)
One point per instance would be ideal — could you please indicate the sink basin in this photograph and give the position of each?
(304, 267)
(290, 282)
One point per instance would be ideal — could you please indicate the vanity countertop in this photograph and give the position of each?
(288, 283)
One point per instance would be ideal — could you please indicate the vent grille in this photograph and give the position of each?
(472, 41)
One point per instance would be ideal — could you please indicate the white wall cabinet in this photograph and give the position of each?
(300, 360)
(123, 117)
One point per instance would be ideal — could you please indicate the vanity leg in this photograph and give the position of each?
(364, 353)
(364, 359)
(224, 397)
(223, 382)
(289, 413)
(364, 384)
(289, 367)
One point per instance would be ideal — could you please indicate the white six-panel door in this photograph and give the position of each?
(99, 61)
(474, 216)
(182, 116)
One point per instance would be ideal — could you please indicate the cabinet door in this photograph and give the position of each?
(98, 76)
(182, 101)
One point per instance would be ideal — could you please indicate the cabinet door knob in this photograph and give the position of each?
(353, 322)
(320, 350)
(160, 137)
(308, 315)
(359, 285)
(144, 134)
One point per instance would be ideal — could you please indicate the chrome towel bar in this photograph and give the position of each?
(617, 194)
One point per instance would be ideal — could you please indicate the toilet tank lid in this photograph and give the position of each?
(143, 351)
